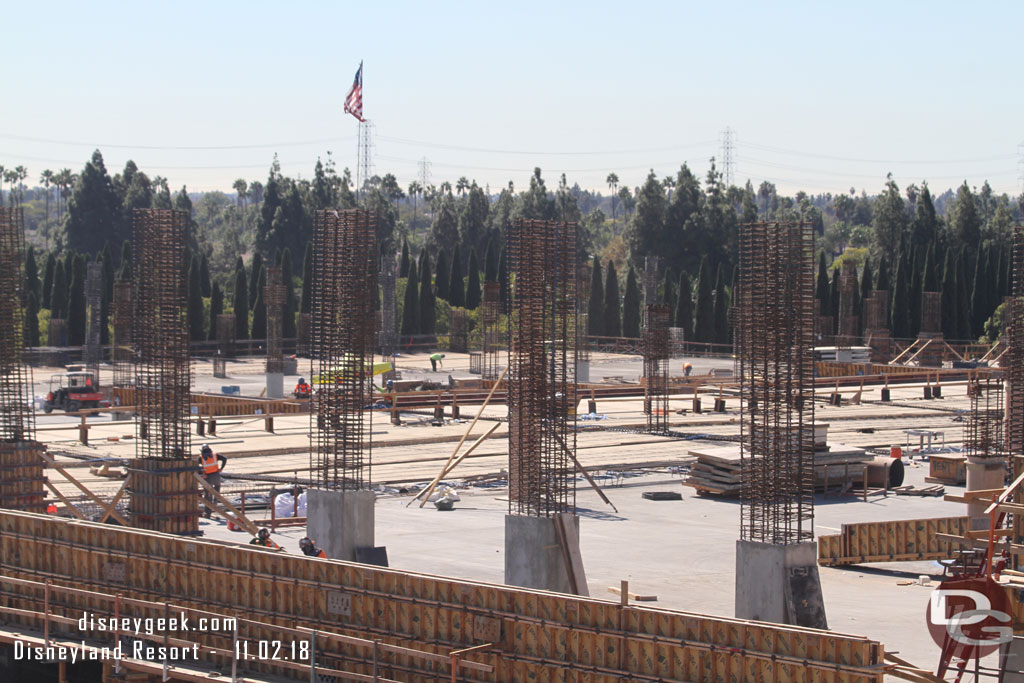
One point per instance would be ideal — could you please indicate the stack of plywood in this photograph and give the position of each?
(719, 469)
(843, 354)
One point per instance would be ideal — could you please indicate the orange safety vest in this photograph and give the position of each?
(210, 465)
(322, 554)
(302, 389)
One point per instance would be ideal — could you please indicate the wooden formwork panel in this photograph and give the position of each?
(217, 405)
(898, 541)
(538, 636)
(22, 477)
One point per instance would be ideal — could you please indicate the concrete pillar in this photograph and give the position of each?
(275, 385)
(535, 557)
(982, 474)
(340, 521)
(779, 583)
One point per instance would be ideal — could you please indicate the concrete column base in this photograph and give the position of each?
(275, 385)
(340, 521)
(779, 583)
(582, 370)
(983, 474)
(534, 556)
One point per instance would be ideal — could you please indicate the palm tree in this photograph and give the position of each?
(613, 184)
(20, 174)
(242, 188)
(65, 179)
(414, 190)
(3, 171)
(10, 177)
(46, 178)
(461, 185)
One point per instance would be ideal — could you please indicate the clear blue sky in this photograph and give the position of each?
(822, 96)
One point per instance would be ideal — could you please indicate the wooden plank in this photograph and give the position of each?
(96, 499)
(638, 597)
(75, 511)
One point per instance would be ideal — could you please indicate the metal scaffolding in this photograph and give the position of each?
(163, 491)
(774, 338)
(388, 335)
(275, 295)
(657, 351)
(342, 347)
(542, 362)
(21, 468)
(491, 333)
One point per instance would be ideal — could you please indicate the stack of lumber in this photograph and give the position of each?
(719, 470)
(843, 354)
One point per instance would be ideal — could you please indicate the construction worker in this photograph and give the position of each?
(302, 389)
(263, 538)
(687, 368)
(435, 358)
(211, 466)
(310, 550)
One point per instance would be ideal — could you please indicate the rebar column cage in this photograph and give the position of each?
(775, 336)
(931, 314)
(582, 301)
(163, 491)
(388, 336)
(121, 352)
(342, 336)
(1013, 361)
(21, 468)
(652, 265)
(491, 331)
(984, 428)
(656, 349)
(848, 320)
(542, 365)
(275, 295)
(93, 352)
(226, 334)
(876, 326)
(458, 330)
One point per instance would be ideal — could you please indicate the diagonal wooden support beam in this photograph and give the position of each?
(584, 472)
(96, 499)
(234, 515)
(110, 508)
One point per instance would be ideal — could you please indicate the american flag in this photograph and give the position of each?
(354, 99)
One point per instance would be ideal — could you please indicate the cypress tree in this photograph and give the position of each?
(949, 296)
(914, 276)
(107, 261)
(704, 314)
(901, 302)
(259, 307)
(240, 301)
(441, 289)
(930, 273)
(963, 293)
(216, 308)
(833, 298)
(503, 279)
(410, 303)
(32, 283)
(1005, 265)
(76, 302)
(124, 268)
(427, 300)
(456, 281)
(31, 321)
(866, 284)
(255, 273)
(195, 300)
(421, 262)
(721, 308)
(307, 280)
(204, 275)
(821, 291)
(980, 310)
(288, 327)
(59, 294)
(732, 302)
(668, 297)
(69, 267)
(51, 264)
(595, 307)
(403, 265)
(882, 281)
(473, 294)
(612, 316)
(631, 307)
(491, 262)
(684, 307)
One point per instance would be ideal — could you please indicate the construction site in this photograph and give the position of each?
(537, 508)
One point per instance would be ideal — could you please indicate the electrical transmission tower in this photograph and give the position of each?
(364, 166)
(424, 172)
(728, 160)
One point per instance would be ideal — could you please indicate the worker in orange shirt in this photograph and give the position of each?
(302, 389)
(309, 548)
(687, 369)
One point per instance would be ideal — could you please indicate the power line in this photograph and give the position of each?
(262, 145)
(462, 148)
(780, 150)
